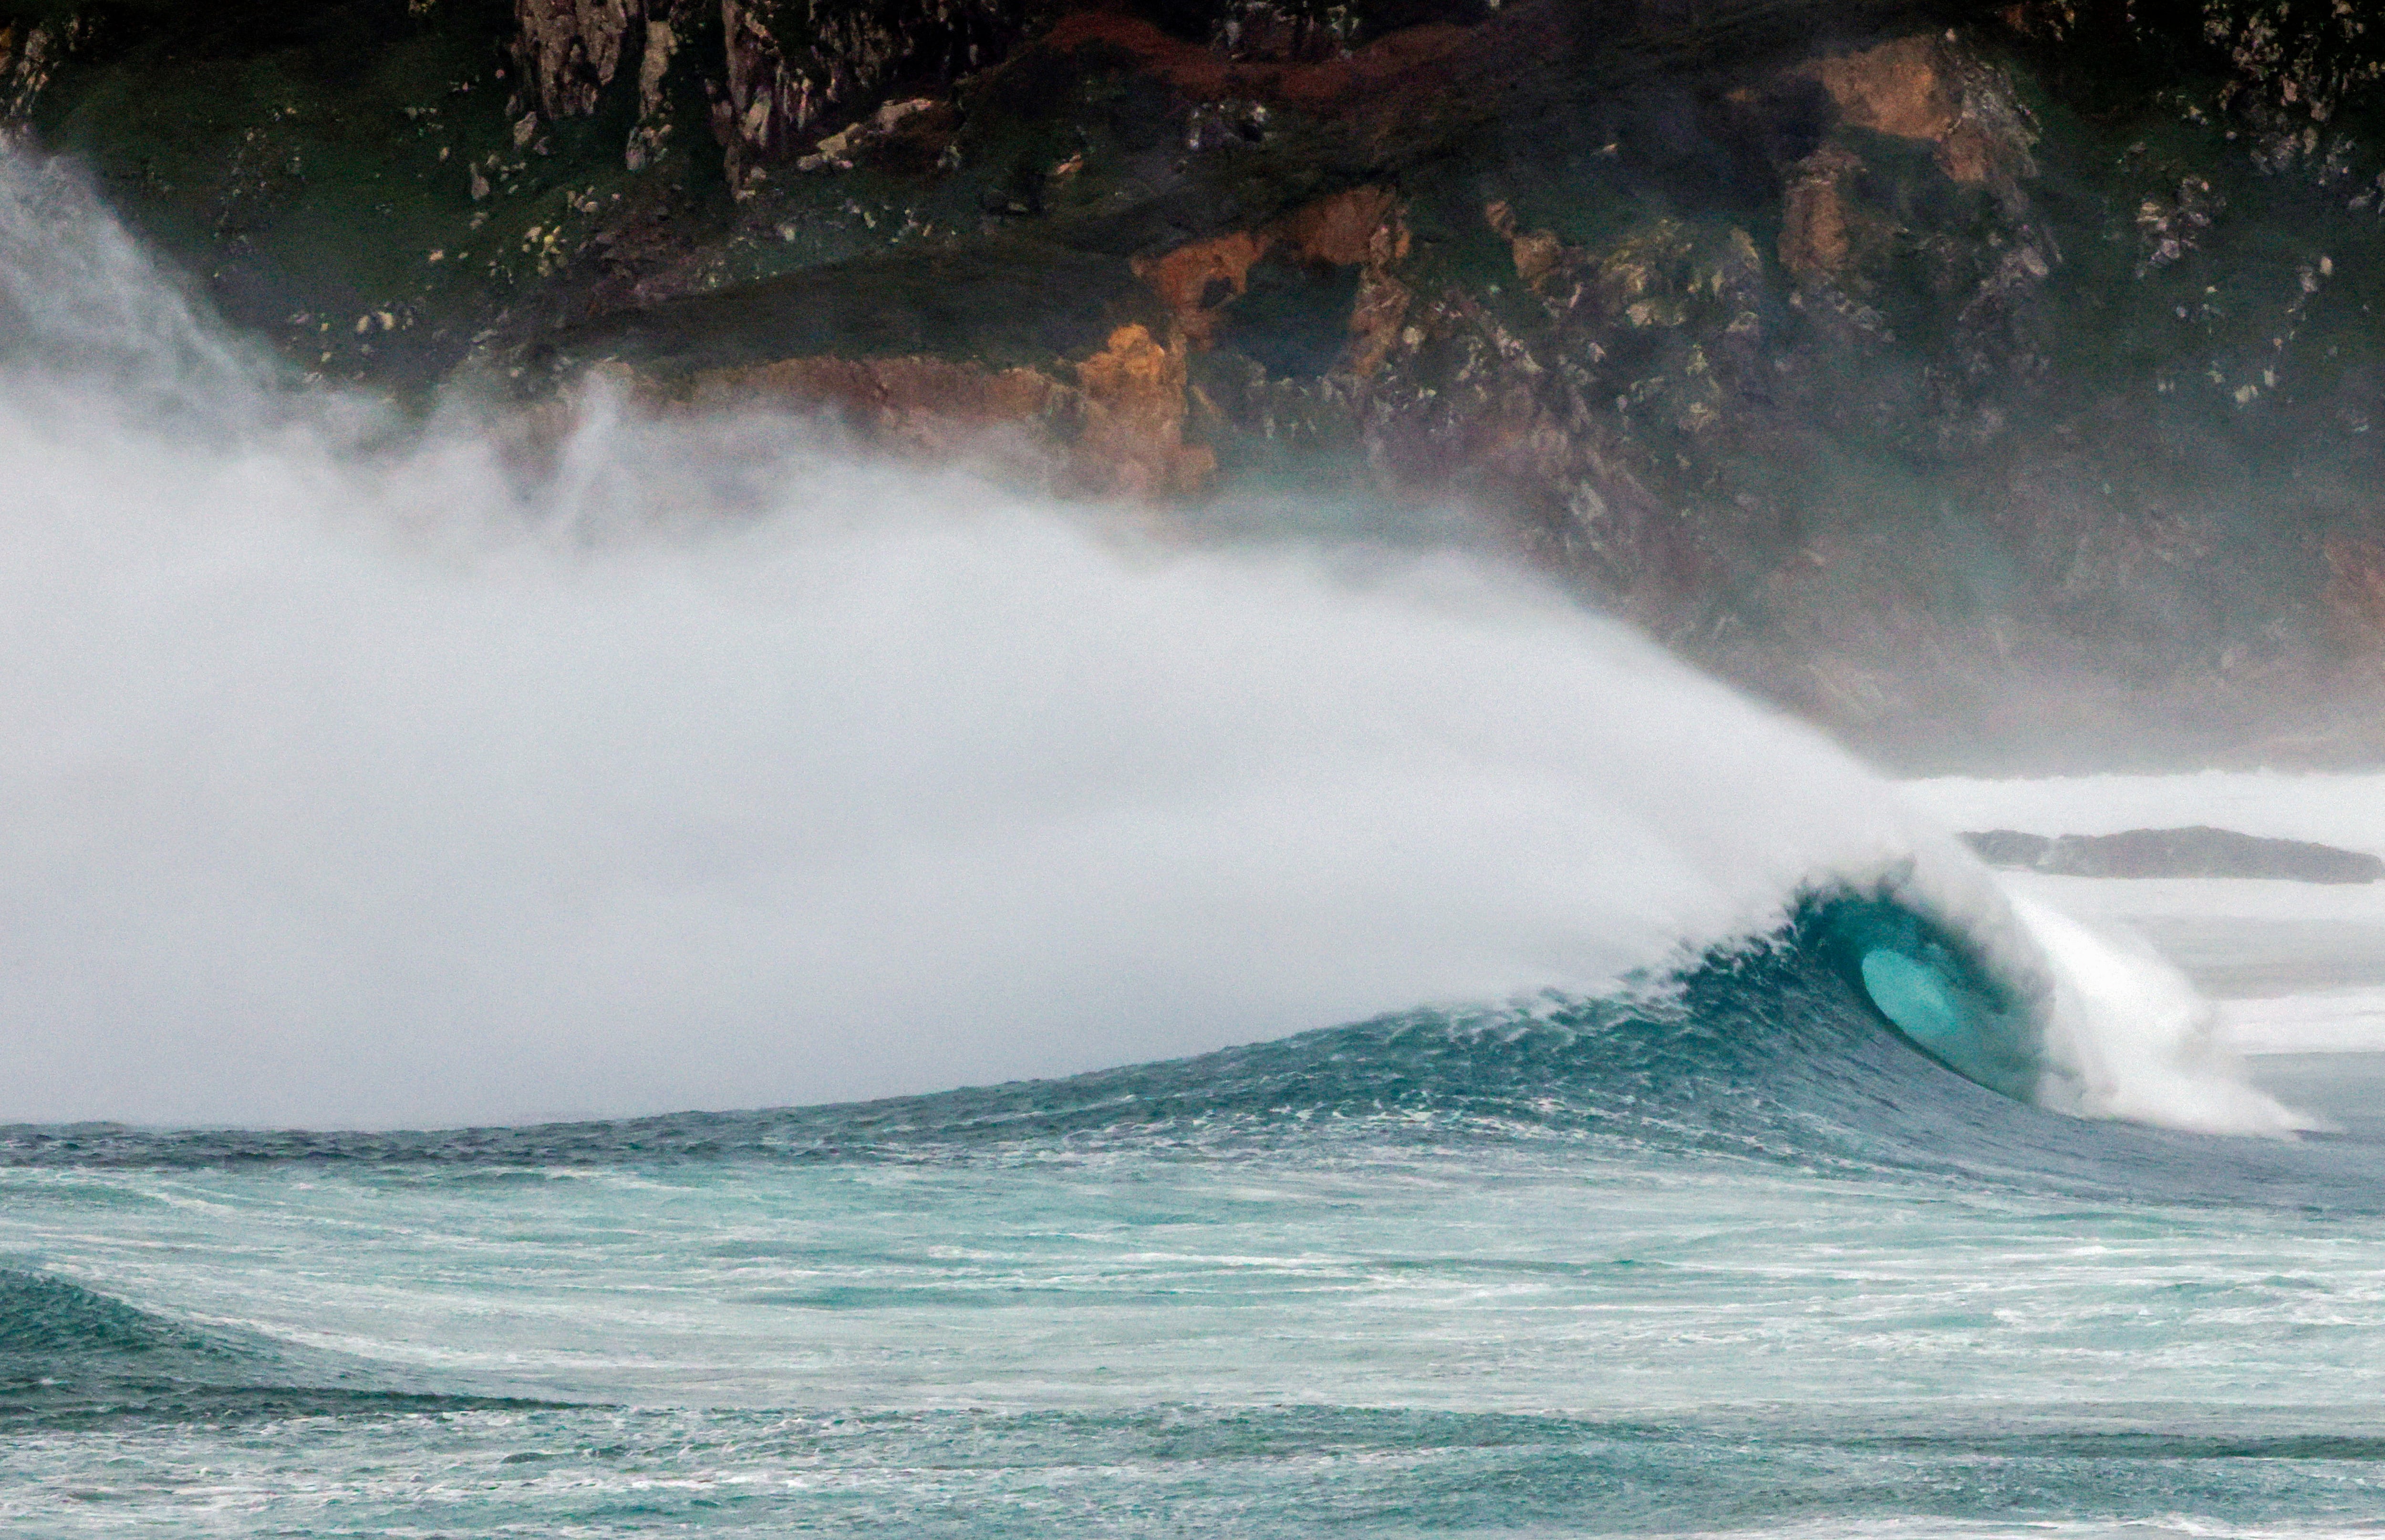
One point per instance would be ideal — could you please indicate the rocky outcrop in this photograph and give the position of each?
(1824, 231)
(787, 71)
(2310, 62)
(1926, 89)
(1360, 229)
(31, 54)
(2199, 851)
(794, 70)
(571, 52)
(571, 49)
(2009, 370)
(1117, 431)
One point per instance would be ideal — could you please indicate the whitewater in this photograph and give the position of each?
(1257, 1033)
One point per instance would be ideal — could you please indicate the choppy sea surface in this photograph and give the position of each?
(1730, 1258)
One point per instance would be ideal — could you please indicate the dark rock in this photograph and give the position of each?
(1979, 380)
(2198, 851)
(2009, 848)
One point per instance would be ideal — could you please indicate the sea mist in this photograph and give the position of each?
(357, 775)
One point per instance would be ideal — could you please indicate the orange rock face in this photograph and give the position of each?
(1918, 88)
(1340, 229)
(1117, 431)
(1132, 440)
(1198, 278)
(1538, 253)
(1361, 228)
(1901, 88)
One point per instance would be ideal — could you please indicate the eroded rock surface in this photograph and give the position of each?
(2003, 370)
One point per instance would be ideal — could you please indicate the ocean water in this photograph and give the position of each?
(1747, 1262)
(1266, 1036)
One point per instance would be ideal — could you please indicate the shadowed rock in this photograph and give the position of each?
(2199, 851)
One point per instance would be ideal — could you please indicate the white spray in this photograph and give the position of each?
(354, 785)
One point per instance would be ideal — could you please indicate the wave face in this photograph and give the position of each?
(75, 1359)
(66, 1348)
(362, 776)
(1726, 1253)
(1777, 1050)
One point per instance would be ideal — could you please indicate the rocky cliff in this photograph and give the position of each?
(1962, 376)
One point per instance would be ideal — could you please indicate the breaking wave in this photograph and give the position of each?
(368, 771)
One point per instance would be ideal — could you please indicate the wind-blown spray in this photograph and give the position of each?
(352, 777)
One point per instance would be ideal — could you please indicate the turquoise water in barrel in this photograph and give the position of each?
(1741, 1257)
